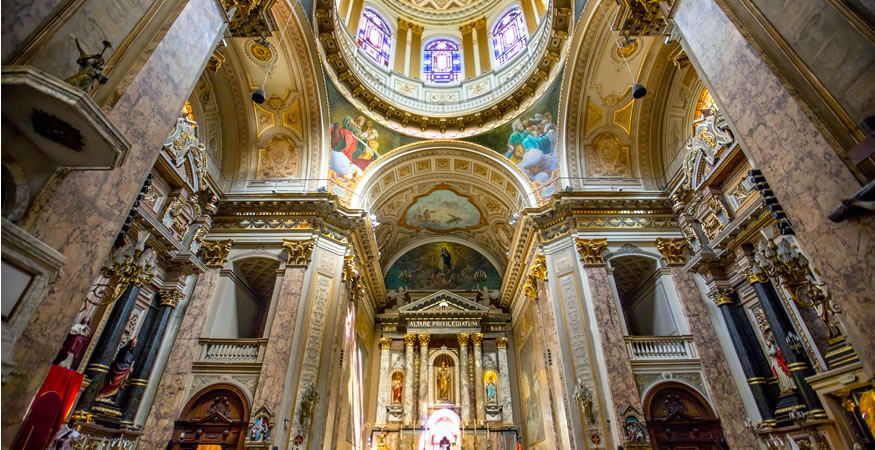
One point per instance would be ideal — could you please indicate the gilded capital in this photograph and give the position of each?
(467, 28)
(416, 28)
(591, 250)
(463, 339)
(539, 269)
(477, 339)
(530, 288)
(403, 25)
(480, 23)
(171, 298)
(409, 339)
(501, 342)
(721, 296)
(299, 251)
(350, 270)
(755, 274)
(385, 343)
(672, 250)
(423, 340)
(215, 253)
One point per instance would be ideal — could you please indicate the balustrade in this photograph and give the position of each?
(232, 350)
(649, 348)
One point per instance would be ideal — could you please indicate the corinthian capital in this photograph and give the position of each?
(591, 250)
(672, 250)
(299, 251)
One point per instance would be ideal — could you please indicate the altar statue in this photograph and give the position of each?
(443, 381)
(397, 387)
(118, 371)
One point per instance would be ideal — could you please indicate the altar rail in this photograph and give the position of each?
(217, 350)
(661, 348)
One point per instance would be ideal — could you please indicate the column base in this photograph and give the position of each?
(788, 406)
(840, 353)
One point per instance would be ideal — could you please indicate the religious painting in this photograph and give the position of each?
(490, 381)
(442, 209)
(530, 393)
(355, 142)
(529, 141)
(607, 157)
(442, 265)
(279, 159)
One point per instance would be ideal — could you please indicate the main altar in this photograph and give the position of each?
(444, 378)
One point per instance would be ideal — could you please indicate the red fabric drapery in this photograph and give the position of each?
(50, 407)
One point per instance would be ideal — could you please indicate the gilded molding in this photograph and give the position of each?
(215, 253)
(592, 250)
(721, 297)
(537, 273)
(672, 250)
(501, 342)
(385, 343)
(299, 251)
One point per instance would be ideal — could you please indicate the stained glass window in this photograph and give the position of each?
(509, 36)
(375, 37)
(442, 61)
(705, 103)
(186, 111)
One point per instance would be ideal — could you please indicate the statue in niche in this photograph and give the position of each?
(490, 378)
(443, 381)
(778, 364)
(118, 371)
(397, 387)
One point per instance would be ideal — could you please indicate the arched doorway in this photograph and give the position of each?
(680, 418)
(216, 418)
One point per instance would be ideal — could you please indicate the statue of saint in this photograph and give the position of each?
(397, 388)
(118, 371)
(74, 346)
(443, 381)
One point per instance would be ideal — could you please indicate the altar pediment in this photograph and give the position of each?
(441, 304)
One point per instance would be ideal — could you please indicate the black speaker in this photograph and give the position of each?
(258, 96)
(638, 91)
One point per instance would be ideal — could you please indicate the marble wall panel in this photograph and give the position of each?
(724, 395)
(170, 396)
(82, 214)
(784, 143)
(20, 18)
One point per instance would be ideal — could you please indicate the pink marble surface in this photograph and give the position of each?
(271, 382)
(81, 217)
(622, 380)
(169, 398)
(724, 395)
(807, 176)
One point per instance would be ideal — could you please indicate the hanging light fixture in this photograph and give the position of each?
(258, 95)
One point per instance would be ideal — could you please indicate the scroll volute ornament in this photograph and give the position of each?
(672, 250)
(299, 251)
(591, 250)
(537, 273)
(215, 253)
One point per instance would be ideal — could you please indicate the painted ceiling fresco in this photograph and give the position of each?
(528, 141)
(442, 265)
(442, 209)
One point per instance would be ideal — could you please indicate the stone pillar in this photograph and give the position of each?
(529, 15)
(750, 355)
(100, 200)
(785, 335)
(746, 94)
(409, 375)
(384, 381)
(622, 380)
(479, 400)
(725, 397)
(275, 365)
(483, 45)
(415, 50)
(355, 16)
(169, 398)
(468, 50)
(540, 7)
(401, 45)
(138, 380)
(504, 380)
(423, 377)
(463, 377)
(107, 347)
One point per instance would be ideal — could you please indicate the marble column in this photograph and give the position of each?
(622, 380)
(746, 94)
(401, 45)
(483, 45)
(724, 394)
(107, 347)
(782, 329)
(479, 397)
(463, 377)
(415, 50)
(750, 355)
(275, 364)
(169, 398)
(83, 214)
(529, 15)
(504, 381)
(468, 50)
(139, 378)
(384, 381)
(409, 375)
(355, 16)
(423, 377)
